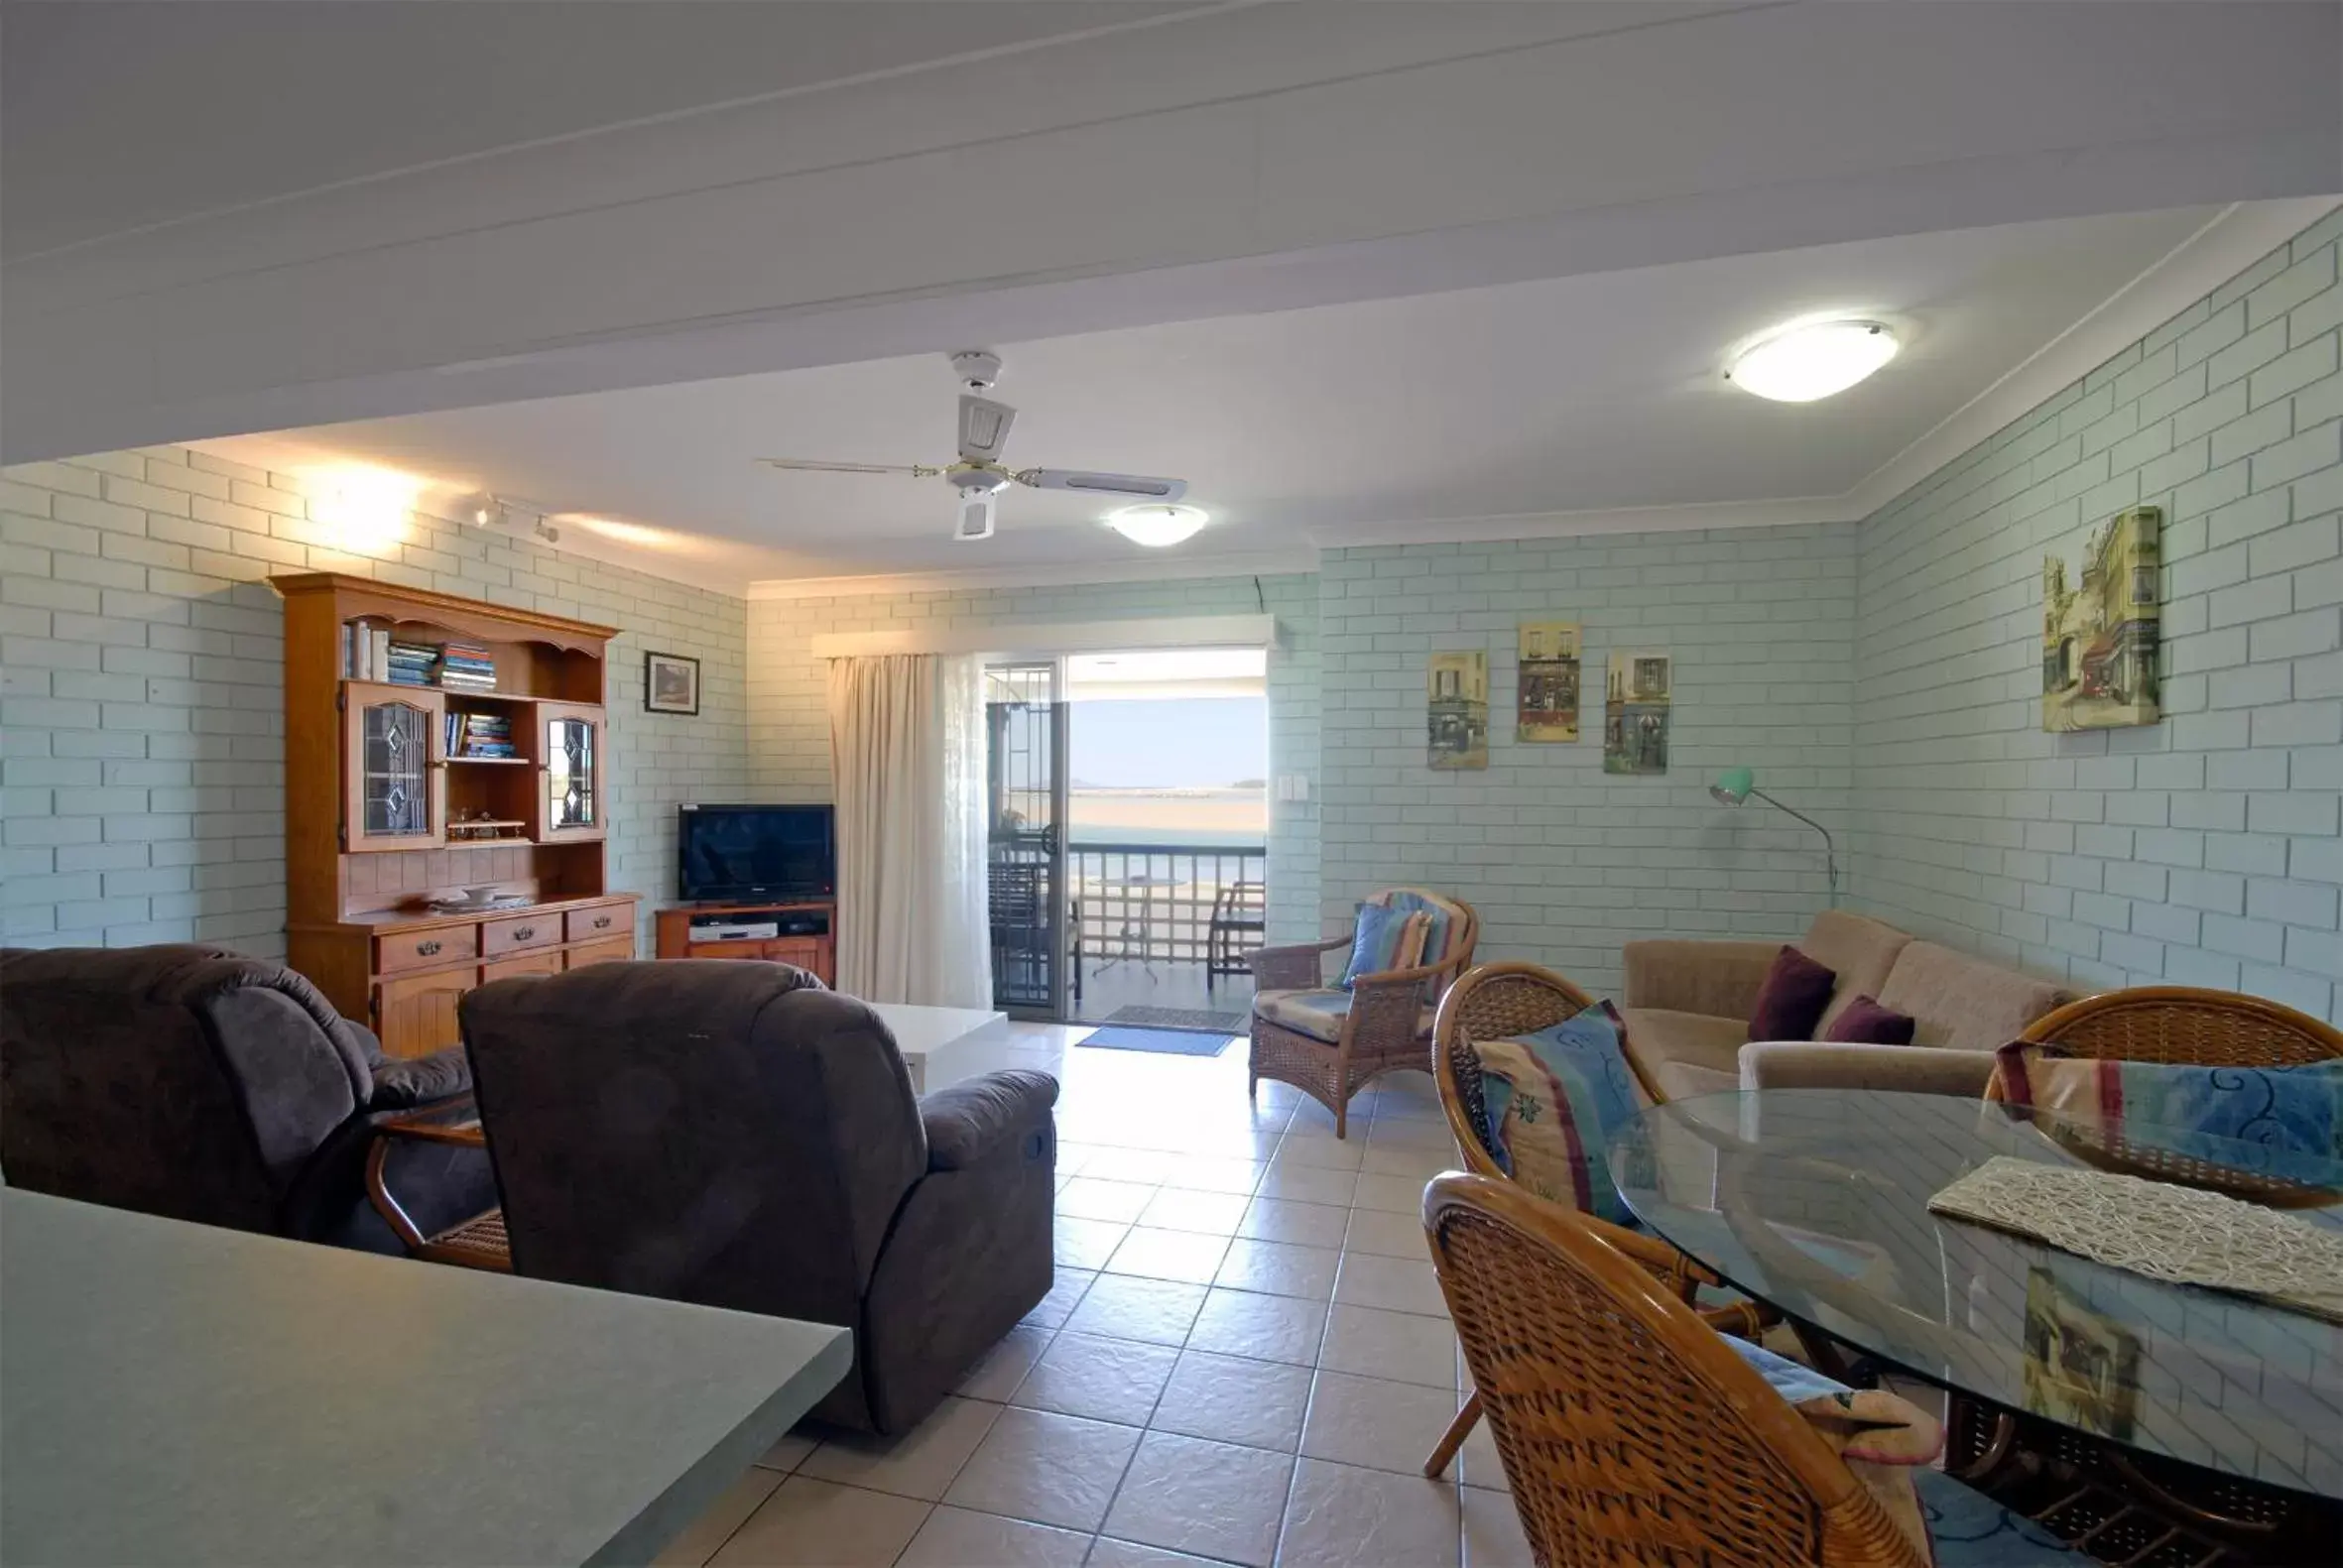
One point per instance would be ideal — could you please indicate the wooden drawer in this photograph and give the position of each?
(524, 964)
(518, 932)
(617, 950)
(802, 951)
(422, 949)
(595, 925)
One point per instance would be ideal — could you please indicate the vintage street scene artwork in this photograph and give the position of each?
(1458, 710)
(1635, 714)
(1547, 708)
(2099, 631)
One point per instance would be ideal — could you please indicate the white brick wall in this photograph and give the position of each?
(1563, 861)
(789, 723)
(142, 787)
(2202, 850)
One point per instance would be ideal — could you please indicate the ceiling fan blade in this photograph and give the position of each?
(975, 520)
(984, 429)
(1138, 485)
(803, 465)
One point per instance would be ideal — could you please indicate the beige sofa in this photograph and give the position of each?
(1688, 1005)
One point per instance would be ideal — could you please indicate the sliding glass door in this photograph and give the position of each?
(1026, 798)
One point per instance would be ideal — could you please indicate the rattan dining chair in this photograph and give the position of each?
(2186, 1025)
(1629, 1431)
(1501, 1000)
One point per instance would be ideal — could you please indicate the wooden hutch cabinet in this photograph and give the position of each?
(434, 745)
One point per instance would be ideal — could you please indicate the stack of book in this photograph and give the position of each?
(466, 666)
(479, 735)
(365, 651)
(409, 663)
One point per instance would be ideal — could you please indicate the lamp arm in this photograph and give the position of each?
(1830, 857)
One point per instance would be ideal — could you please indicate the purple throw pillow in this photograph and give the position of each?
(1790, 1002)
(1866, 1023)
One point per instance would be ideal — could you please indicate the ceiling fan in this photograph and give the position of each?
(980, 476)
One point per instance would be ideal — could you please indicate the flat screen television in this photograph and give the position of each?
(743, 852)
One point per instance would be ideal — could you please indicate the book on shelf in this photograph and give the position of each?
(479, 735)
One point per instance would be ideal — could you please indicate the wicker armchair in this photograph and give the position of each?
(1497, 1001)
(2181, 1023)
(1382, 1023)
(1629, 1431)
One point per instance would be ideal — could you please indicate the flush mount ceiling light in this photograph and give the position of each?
(1813, 361)
(1157, 526)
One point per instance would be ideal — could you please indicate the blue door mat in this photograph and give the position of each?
(1171, 1042)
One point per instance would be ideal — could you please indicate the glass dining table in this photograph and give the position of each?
(1816, 1201)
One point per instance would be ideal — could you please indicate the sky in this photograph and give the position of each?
(1182, 742)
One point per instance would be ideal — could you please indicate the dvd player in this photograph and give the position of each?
(734, 930)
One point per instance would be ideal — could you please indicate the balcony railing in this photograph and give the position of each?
(1153, 903)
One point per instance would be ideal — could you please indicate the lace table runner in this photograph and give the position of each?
(2156, 1229)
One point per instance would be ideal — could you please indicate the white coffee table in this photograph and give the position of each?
(947, 1045)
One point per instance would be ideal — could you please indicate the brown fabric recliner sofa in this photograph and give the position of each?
(1688, 1005)
(198, 1083)
(738, 1136)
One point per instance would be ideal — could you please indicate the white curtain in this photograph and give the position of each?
(907, 760)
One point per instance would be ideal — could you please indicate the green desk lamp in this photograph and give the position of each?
(1736, 784)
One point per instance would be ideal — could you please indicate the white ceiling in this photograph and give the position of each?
(111, 130)
(226, 217)
(1567, 395)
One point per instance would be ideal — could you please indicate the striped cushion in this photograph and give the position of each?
(1443, 919)
(1386, 939)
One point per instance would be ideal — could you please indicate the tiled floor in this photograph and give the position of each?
(1245, 1360)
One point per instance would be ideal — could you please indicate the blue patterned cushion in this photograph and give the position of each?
(1966, 1528)
(1554, 1100)
(2288, 1110)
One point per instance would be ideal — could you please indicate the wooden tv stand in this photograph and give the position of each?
(817, 953)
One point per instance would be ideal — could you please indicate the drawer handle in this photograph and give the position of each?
(521, 933)
(426, 949)
(600, 921)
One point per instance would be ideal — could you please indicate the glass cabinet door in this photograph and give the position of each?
(392, 783)
(569, 800)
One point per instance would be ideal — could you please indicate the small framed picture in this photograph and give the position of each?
(670, 683)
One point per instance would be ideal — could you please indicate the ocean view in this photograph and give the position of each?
(1169, 816)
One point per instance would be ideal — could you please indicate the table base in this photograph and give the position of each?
(2133, 1511)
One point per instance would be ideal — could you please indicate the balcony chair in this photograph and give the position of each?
(1499, 1002)
(1328, 1042)
(1240, 914)
(1631, 1432)
(737, 1135)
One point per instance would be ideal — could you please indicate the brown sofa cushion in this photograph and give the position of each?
(1684, 1052)
(1859, 951)
(1963, 1002)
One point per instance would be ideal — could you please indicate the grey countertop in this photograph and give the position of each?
(176, 1393)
